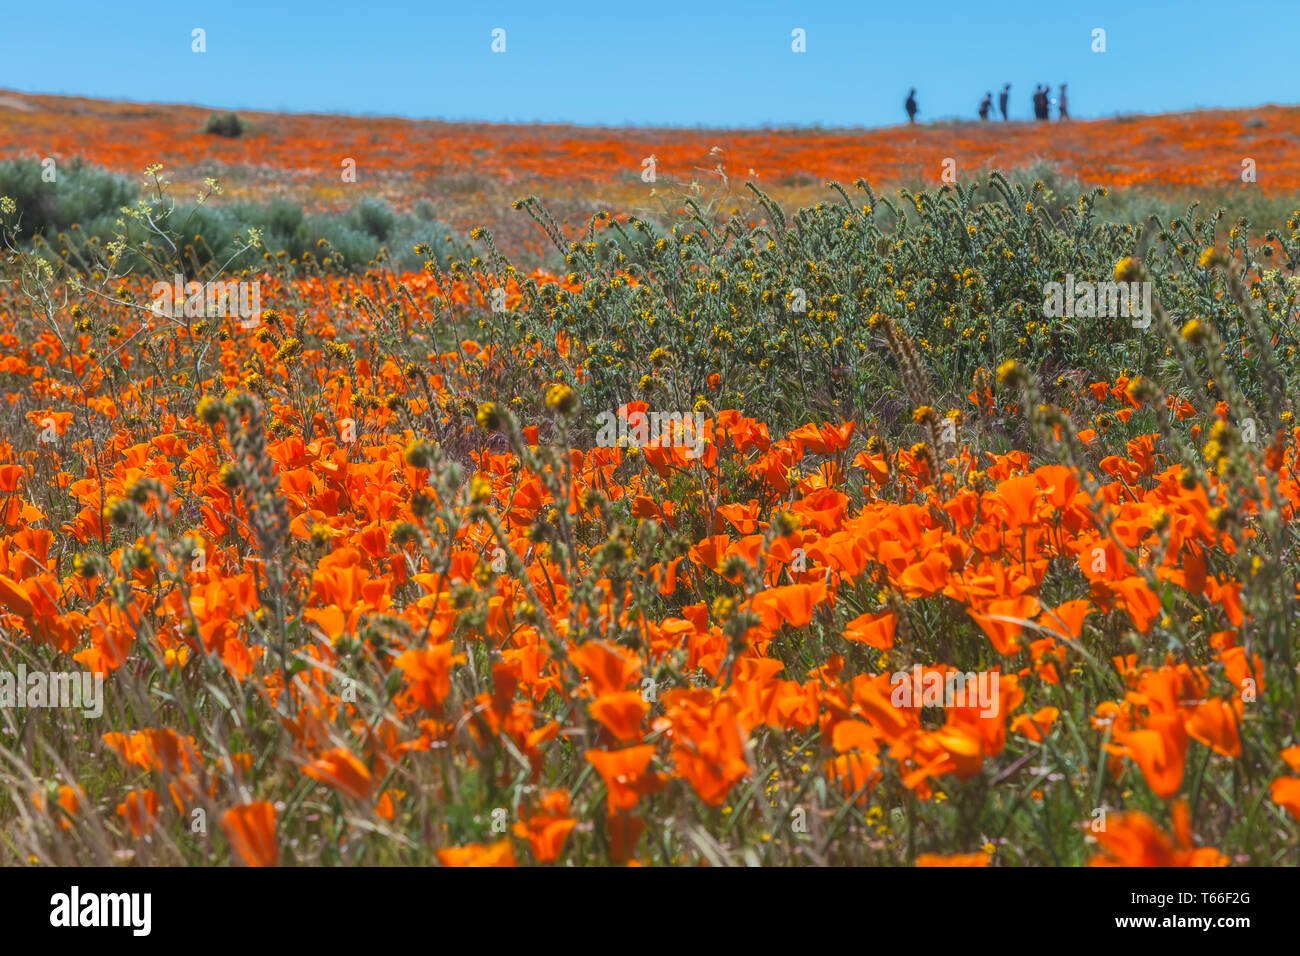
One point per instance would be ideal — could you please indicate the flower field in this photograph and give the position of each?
(474, 170)
(746, 532)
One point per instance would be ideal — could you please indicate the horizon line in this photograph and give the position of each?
(720, 127)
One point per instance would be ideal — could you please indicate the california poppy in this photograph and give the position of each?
(250, 828)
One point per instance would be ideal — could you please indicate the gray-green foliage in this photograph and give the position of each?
(84, 206)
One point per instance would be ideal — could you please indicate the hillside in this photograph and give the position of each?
(471, 171)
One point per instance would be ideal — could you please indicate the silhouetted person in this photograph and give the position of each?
(1040, 102)
(1002, 100)
(910, 106)
(986, 105)
(1063, 111)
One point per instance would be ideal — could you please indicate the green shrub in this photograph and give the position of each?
(375, 219)
(81, 212)
(225, 124)
(79, 194)
(796, 311)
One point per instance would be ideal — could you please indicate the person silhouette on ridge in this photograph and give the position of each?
(1062, 111)
(986, 105)
(1002, 100)
(910, 105)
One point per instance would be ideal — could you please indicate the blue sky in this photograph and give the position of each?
(666, 62)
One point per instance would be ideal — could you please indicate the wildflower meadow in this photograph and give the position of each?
(738, 498)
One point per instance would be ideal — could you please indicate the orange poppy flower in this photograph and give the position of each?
(250, 828)
(14, 597)
(875, 630)
(428, 674)
(609, 667)
(69, 800)
(547, 829)
(1285, 792)
(339, 768)
(621, 713)
(1004, 621)
(1159, 752)
(708, 746)
(140, 810)
(957, 859)
(1036, 725)
(624, 830)
(477, 854)
(1134, 839)
(792, 604)
(625, 775)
